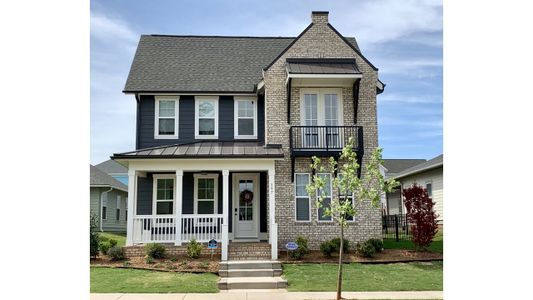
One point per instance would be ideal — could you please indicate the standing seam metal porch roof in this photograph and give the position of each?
(224, 64)
(322, 66)
(204, 149)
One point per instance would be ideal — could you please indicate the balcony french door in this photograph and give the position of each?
(321, 107)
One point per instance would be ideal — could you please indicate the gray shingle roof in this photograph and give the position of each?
(112, 167)
(203, 63)
(397, 165)
(206, 150)
(101, 179)
(430, 164)
(322, 66)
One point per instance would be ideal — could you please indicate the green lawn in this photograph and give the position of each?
(119, 236)
(114, 280)
(436, 245)
(365, 277)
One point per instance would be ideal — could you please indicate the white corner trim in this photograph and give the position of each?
(159, 98)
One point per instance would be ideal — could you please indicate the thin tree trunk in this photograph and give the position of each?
(339, 278)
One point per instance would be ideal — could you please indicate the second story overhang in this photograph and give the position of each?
(322, 71)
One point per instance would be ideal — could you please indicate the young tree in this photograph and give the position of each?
(420, 213)
(368, 188)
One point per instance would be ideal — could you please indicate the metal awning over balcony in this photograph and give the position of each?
(308, 141)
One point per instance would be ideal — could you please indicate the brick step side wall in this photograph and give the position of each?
(249, 251)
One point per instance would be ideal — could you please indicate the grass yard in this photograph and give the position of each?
(365, 277)
(436, 245)
(119, 236)
(114, 280)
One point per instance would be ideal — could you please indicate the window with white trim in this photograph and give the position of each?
(104, 207)
(206, 121)
(303, 205)
(245, 118)
(326, 201)
(118, 208)
(346, 196)
(163, 195)
(166, 117)
(429, 188)
(205, 193)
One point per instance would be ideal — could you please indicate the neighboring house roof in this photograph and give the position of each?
(222, 64)
(425, 166)
(322, 66)
(395, 166)
(206, 150)
(101, 179)
(112, 167)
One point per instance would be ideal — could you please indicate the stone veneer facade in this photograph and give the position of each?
(319, 41)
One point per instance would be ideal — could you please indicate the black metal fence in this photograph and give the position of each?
(396, 227)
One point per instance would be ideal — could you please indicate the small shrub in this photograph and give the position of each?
(204, 264)
(104, 247)
(336, 243)
(149, 259)
(326, 248)
(116, 253)
(155, 250)
(173, 259)
(366, 249)
(194, 249)
(377, 243)
(302, 250)
(94, 238)
(113, 242)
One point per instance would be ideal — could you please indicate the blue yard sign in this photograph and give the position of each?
(212, 244)
(291, 246)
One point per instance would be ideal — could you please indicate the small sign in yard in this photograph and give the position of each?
(291, 246)
(212, 244)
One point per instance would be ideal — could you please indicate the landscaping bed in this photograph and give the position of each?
(203, 264)
(386, 256)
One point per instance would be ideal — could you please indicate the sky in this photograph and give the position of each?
(402, 38)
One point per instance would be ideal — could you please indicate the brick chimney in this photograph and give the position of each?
(319, 17)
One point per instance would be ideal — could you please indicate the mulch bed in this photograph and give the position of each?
(203, 264)
(387, 256)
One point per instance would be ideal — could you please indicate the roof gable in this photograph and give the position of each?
(101, 179)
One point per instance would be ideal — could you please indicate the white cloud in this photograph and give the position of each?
(398, 98)
(108, 29)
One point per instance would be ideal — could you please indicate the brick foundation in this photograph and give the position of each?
(171, 250)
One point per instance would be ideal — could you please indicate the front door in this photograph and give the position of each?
(246, 205)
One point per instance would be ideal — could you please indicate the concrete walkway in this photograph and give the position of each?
(271, 294)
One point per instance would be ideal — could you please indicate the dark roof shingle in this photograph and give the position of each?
(397, 165)
(112, 167)
(430, 164)
(101, 179)
(202, 63)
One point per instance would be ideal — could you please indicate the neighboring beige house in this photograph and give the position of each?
(427, 174)
(108, 201)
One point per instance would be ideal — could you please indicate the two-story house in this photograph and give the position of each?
(227, 126)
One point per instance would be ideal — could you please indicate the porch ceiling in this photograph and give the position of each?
(228, 149)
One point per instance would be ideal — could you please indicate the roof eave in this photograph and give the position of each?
(399, 176)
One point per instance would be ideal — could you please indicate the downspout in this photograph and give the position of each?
(102, 206)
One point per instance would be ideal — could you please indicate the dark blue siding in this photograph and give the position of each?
(144, 195)
(146, 121)
(263, 202)
(188, 193)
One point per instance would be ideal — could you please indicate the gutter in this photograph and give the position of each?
(102, 205)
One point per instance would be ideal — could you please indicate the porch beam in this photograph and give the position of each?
(225, 212)
(132, 185)
(273, 232)
(179, 206)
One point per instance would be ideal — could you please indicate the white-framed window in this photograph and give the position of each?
(104, 207)
(326, 202)
(302, 199)
(163, 195)
(429, 188)
(117, 212)
(346, 197)
(206, 117)
(245, 126)
(205, 194)
(166, 117)
(321, 107)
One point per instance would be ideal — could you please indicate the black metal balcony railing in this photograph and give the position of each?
(318, 139)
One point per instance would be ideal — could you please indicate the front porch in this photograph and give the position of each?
(173, 201)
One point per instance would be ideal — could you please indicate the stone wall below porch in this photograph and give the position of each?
(171, 250)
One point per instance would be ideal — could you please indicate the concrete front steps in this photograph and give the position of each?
(252, 274)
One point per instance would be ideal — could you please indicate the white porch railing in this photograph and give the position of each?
(159, 229)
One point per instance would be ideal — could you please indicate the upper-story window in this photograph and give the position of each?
(166, 117)
(206, 118)
(321, 107)
(245, 126)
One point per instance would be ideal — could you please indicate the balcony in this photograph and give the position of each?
(307, 141)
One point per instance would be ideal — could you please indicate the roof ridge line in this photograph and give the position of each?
(221, 36)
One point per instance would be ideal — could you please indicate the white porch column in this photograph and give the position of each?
(132, 186)
(225, 211)
(179, 206)
(273, 232)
